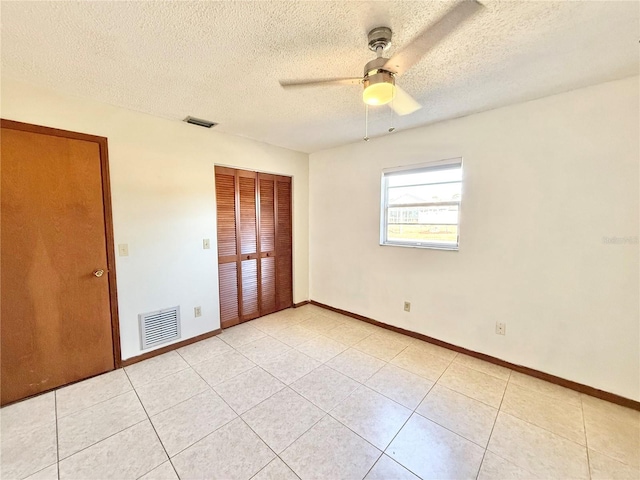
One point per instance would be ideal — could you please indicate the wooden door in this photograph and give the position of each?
(58, 310)
(254, 244)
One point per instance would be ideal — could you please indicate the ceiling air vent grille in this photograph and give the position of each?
(200, 122)
(159, 327)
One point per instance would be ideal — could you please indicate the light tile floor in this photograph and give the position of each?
(311, 394)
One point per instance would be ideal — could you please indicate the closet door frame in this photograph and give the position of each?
(259, 255)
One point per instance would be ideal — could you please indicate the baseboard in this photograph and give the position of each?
(300, 304)
(578, 387)
(168, 348)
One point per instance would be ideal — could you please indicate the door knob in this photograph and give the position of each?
(98, 273)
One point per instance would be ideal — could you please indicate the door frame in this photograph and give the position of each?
(107, 211)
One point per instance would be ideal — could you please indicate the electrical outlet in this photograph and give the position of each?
(501, 328)
(206, 244)
(123, 250)
(197, 312)
(407, 306)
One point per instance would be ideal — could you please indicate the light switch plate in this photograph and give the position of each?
(123, 250)
(206, 244)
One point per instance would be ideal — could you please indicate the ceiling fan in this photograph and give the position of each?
(379, 79)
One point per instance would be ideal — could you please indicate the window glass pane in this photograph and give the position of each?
(444, 235)
(443, 192)
(442, 215)
(453, 174)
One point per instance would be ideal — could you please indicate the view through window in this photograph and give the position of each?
(421, 206)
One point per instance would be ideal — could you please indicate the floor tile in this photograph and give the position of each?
(281, 419)
(126, 455)
(606, 468)
(380, 347)
(277, 321)
(372, 416)
(406, 340)
(25, 451)
(325, 387)
(92, 391)
(320, 323)
(348, 334)
(433, 452)
(169, 391)
(321, 348)
(248, 389)
(433, 349)
(291, 366)
(276, 470)
(613, 433)
(30, 413)
(545, 388)
(417, 361)
(190, 421)
(203, 350)
(356, 364)
(387, 469)
(596, 407)
(472, 383)
(330, 451)
(163, 472)
(264, 349)
(219, 369)
(294, 335)
(155, 368)
(86, 427)
(482, 366)
(400, 385)
(559, 417)
(49, 473)
(497, 468)
(240, 335)
(463, 415)
(536, 450)
(231, 452)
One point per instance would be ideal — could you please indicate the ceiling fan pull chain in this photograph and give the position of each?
(393, 118)
(366, 122)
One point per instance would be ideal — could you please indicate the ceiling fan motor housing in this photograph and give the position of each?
(379, 38)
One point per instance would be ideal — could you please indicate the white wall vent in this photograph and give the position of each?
(159, 327)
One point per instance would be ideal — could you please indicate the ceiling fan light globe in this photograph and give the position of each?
(379, 93)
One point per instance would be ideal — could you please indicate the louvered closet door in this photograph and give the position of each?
(267, 243)
(227, 246)
(284, 274)
(248, 245)
(254, 244)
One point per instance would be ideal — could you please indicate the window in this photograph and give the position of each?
(421, 205)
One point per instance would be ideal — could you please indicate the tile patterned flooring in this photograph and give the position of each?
(307, 393)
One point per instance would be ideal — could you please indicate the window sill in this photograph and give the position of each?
(428, 246)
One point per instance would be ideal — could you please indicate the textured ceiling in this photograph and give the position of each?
(222, 60)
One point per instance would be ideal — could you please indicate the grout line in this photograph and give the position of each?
(55, 411)
(586, 440)
(156, 432)
(494, 426)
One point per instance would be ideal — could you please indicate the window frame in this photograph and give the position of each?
(384, 202)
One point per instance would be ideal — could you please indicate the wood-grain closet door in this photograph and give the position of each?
(284, 248)
(249, 266)
(266, 191)
(228, 236)
(254, 244)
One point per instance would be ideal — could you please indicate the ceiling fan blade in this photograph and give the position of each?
(403, 103)
(328, 82)
(431, 36)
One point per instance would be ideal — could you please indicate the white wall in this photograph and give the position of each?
(162, 185)
(544, 182)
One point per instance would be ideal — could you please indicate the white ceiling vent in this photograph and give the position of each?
(200, 122)
(159, 327)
